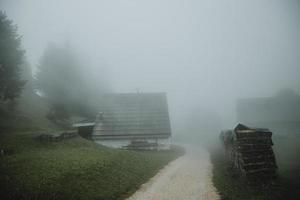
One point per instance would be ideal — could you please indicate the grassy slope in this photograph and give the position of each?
(73, 169)
(286, 187)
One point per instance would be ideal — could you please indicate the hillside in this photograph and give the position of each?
(73, 169)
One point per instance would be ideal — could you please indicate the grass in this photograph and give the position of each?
(231, 187)
(73, 169)
(287, 151)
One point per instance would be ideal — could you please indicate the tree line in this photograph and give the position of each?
(60, 79)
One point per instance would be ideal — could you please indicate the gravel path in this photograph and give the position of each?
(187, 178)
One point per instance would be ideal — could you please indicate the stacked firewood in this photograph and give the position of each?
(252, 154)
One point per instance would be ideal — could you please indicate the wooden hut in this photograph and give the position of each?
(132, 121)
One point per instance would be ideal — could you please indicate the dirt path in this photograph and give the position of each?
(187, 178)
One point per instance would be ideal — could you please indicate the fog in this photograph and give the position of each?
(204, 54)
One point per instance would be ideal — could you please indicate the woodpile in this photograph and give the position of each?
(141, 145)
(251, 152)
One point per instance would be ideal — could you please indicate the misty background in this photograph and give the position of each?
(204, 54)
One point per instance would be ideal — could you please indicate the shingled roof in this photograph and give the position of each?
(133, 115)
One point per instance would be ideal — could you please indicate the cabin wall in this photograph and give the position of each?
(163, 144)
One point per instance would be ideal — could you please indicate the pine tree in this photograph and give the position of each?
(60, 81)
(11, 58)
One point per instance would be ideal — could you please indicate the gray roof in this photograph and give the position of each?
(133, 115)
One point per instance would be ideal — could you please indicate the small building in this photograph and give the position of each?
(131, 121)
(85, 129)
(280, 113)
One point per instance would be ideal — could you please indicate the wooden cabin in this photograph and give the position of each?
(132, 121)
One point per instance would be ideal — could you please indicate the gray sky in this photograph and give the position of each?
(203, 53)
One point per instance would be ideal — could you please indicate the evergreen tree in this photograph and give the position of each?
(11, 57)
(60, 81)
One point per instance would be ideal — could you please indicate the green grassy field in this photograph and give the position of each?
(286, 187)
(73, 169)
